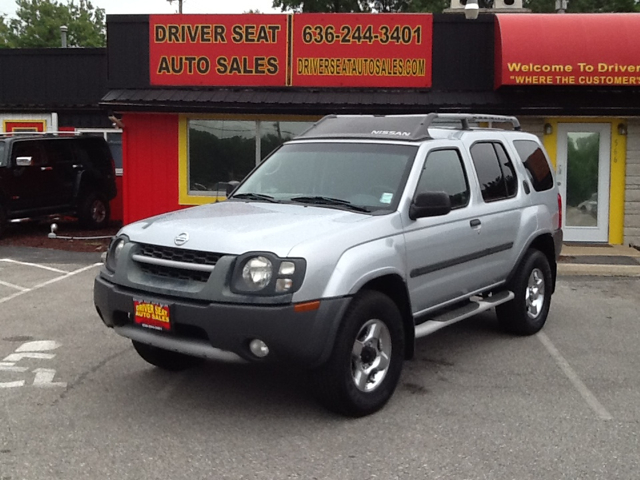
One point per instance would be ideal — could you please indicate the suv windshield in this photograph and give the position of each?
(363, 177)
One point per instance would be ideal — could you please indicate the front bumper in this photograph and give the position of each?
(204, 329)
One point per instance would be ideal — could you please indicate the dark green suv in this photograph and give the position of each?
(42, 175)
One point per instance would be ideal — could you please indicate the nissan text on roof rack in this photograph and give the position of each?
(342, 248)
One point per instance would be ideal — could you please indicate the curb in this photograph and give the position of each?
(599, 270)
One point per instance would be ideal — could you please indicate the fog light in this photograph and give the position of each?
(283, 285)
(259, 348)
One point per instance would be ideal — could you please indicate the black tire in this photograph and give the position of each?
(527, 313)
(94, 211)
(336, 382)
(165, 359)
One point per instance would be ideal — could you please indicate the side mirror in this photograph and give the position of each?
(430, 204)
(231, 186)
(24, 161)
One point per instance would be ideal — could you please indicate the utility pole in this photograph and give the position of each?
(179, 5)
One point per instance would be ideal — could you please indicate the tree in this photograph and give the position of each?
(322, 6)
(437, 6)
(583, 6)
(38, 22)
(4, 31)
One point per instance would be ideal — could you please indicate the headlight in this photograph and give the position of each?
(263, 273)
(257, 273)
(115, 249)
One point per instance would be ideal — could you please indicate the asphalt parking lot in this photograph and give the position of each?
(76, 401)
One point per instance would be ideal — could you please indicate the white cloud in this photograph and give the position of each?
(8, 7)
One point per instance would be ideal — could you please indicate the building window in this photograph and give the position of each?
(219, 151)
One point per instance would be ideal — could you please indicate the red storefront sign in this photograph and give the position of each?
(569, 49)
(362, 50)
(322, 50)
(218, 50)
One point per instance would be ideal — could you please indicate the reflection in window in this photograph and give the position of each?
(221, 151)
(443, 172)
(583, 153)
(274, 134)
(536, 164)
(489, 172)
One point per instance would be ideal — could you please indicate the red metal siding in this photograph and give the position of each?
(150, 163)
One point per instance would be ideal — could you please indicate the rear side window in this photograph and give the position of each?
(59, 152)
(495, 171)
(536, 164)
(443, 172)
(94, 152)
(3, 162)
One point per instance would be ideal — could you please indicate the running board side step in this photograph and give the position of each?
(467, 310)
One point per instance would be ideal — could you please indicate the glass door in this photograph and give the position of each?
(584, 151)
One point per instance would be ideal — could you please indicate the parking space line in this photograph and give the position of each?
(11, 285)
(44, 267)
(49, 282)
(582, 389)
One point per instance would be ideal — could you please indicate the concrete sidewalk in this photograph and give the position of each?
(601, 260)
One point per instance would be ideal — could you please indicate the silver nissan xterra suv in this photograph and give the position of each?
(342, 248)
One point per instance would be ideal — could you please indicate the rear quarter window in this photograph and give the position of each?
(3, 162)
(535, 162)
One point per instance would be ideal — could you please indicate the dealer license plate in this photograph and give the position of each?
(152, 315)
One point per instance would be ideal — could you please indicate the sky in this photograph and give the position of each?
(8, 7)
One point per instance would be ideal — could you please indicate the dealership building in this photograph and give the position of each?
(201, 99)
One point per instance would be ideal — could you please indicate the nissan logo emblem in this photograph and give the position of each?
(181, 239)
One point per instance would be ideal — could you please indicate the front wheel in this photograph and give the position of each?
(365, 365)
(165, 359)
(527, 313)
(93, 211)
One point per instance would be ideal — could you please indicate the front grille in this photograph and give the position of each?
(186, 257)
(179, 255)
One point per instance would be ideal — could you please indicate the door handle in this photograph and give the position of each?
(46, 169)
(475, 222)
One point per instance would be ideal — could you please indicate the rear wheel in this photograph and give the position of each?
(365, 365)
(165, 359)
(93, 211)
(527, 313)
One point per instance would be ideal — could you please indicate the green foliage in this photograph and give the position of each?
(431, 6)
(437, 6)
(4, 32)
(37, 24)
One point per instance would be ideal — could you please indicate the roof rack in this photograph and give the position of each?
(399, 127)
(465, 118)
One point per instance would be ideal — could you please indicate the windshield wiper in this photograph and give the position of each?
(256, 196)
(338, 202)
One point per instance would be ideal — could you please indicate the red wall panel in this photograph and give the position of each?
(150, 163)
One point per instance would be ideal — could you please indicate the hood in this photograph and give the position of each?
(234, 227)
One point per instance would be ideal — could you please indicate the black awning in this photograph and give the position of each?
(299, 101)
(507, 100)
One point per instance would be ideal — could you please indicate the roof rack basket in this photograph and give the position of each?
(465, 118)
